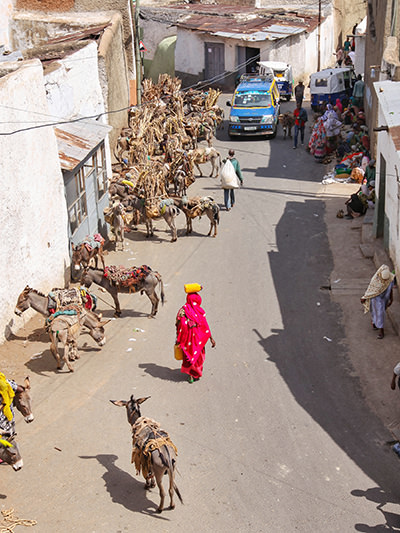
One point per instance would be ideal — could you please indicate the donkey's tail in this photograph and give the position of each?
(160, 281)
(178, 493)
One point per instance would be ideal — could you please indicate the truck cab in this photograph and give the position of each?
(254, 106)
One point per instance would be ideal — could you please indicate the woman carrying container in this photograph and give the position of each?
(192, 333)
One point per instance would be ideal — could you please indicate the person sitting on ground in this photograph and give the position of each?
(370, 171)
(378, 297)
(357, 204)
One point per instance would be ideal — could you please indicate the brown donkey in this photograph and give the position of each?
(154, 454)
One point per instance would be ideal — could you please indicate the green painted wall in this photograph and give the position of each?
(163, 61)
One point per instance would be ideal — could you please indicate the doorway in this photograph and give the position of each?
(214, 60)
(381, 220)
(247, 60)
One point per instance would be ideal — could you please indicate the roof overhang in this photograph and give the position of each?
(75, 140)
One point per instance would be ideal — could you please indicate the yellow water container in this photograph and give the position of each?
(192, 287)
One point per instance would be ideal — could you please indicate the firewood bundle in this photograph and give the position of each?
(154, 149)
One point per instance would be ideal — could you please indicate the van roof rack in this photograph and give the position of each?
(256, 77)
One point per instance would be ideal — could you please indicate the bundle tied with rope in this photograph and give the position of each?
(147, 436)
(10, 522)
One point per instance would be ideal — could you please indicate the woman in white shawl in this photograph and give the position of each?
(378, 297)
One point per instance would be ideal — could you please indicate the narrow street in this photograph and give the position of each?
(276, 436)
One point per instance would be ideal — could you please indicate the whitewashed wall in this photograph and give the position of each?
(73, 89)
(6, 7)
(33, 231)
(387, 149)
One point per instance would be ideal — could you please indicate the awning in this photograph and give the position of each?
(76, 140)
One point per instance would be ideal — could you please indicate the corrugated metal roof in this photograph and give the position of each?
(246, 24)
(76, 140)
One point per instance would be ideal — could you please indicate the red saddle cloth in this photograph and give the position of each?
(127, 277)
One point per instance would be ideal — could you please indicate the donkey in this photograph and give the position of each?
(147, 285)
(118, 224)
(9, 451)
(38, 301)
(203, 155)
(153, 451)
(65, 329)
(81, 256)
(169, 214)
(287, 122)
(197, 207)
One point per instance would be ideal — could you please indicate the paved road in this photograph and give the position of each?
(276, 436)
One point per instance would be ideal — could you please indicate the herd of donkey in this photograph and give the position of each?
(139, 191)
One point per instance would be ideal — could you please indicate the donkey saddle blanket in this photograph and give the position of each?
(127, 277)
(147, 436)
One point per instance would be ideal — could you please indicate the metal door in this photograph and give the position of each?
(214, 60)
(241, 60)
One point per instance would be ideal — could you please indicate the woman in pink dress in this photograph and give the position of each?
(192, 334)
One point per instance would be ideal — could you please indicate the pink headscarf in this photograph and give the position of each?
(339, 105)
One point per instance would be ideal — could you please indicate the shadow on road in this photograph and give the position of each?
(163, 372)
(124, 489)
(310, 353)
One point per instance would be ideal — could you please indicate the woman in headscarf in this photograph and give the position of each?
(357, 204)
(330, 112)
(378, 297)
(192, 334)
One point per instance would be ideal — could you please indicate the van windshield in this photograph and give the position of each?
(252, 99)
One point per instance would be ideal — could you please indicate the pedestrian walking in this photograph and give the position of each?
(339, 56)
(378, 297)
(230, 174)
(299, 92)
(192, 333)
(300, 119)
(358, 92)
(347, 46)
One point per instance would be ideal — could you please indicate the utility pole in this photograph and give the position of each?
(319, 35)
(138, 66)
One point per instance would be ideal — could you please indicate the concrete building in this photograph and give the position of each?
(219, 45)
(52, 37)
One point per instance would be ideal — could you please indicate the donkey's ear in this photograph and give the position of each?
(120, 403)
(73, 247)
(141, 400)
(27, 383)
